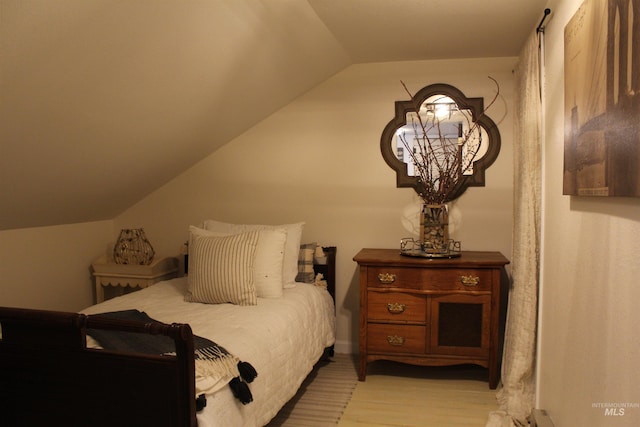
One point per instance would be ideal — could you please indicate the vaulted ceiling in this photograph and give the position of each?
(102, 102)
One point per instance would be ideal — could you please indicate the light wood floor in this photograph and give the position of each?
(398, 395)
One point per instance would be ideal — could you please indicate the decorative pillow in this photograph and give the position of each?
(221, 269)
(305, 263)
(268, 261)
(291, 249)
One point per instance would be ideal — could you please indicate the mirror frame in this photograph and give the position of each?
(474, 105)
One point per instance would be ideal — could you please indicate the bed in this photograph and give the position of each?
(54, 371)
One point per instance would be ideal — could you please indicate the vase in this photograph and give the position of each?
(132, 247)
(434, 228)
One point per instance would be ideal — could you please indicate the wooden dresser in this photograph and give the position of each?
(432, 311)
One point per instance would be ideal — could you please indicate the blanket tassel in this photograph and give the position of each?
(247, 372)
(241, 390)
(201, 402)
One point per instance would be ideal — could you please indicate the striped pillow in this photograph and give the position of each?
(221, 269)
(269, 258)
(291, 246)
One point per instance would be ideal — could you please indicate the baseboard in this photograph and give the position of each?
(345, 347)
(540, 418)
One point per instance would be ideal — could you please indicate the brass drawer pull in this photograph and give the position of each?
(396, 308)
(387, 278)
(395, 340)
(470, 280)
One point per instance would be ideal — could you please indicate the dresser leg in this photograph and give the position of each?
(494, 377)
(362, 368)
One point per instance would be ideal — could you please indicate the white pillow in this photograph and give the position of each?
(221, 269)
(291, 249)
(268, 261)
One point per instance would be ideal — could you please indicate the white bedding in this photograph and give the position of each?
(281, 337)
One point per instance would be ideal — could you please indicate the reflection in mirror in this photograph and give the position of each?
(440, 143)
(448, 130)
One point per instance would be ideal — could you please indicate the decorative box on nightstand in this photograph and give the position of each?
(122, 276)
(432, 311)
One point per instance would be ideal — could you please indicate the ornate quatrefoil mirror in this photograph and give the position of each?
(440, 143)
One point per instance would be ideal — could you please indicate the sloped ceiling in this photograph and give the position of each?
(400, 30)
(102, 102)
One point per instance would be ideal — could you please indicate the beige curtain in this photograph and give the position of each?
(516, 393)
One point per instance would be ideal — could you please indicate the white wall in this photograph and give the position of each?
(589, 349)
(318, 160)
(49, 267)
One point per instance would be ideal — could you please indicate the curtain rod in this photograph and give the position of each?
(540, 28)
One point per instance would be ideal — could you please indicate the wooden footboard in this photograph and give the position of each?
(48, 376)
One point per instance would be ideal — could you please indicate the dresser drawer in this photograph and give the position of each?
(433, 279)
(383, 338)
(396, 307)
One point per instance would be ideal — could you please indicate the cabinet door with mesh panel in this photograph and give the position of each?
(460, 324)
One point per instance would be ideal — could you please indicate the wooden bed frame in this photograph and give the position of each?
(48, 376)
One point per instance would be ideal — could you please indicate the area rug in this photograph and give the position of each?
(322, 397)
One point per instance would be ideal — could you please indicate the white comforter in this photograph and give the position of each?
(282, 338)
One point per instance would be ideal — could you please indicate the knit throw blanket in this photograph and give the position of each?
(212, 360)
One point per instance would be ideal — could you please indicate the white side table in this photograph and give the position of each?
(108, 273)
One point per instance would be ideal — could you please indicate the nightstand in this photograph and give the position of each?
(123, 276)
(432, 311)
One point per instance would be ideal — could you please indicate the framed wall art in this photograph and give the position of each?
(602, 99)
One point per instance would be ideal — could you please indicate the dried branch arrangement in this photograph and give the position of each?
(443, 145)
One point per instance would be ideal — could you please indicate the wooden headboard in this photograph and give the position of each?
(328, 270)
